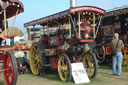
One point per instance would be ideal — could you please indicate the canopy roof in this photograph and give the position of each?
(62, 15)
(11, 7)
(117, 11)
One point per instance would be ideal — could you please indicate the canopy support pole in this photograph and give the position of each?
(48, 30)
(98, 25)
(69, 28)
(74, 26)
(15, 18)
(79, 25)
(94, 18)
(13, 21)
(5, 23)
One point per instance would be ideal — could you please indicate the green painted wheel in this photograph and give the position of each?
(64, 68)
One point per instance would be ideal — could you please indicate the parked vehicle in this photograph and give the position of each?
(66, 37)
(8, 9)
(115, 21)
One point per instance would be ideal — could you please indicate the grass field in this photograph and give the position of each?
(2, 82)
(104, 77)
(51, 77)
(54, 77)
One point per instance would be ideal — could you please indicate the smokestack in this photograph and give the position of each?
(72, 3)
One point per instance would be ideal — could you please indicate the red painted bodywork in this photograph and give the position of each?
(53, 62)
(3, 36)
(108, 50)
(44, 39)
(54, 41)
(2, 56)
(87, 41)
(45, 20)
(87, 8)
(11, 9)
(86, 29)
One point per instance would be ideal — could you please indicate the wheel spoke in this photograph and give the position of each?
(88, 63)
(62, 60)
(65, 75)
(38, 51)
(32, 58)
(34, 49)
(10, 73)
(35, 66)
(38, 64)
(64, 68)
(35, 59)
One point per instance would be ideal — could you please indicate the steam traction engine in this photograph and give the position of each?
(8, 9)
(115, 21)
(66, 37)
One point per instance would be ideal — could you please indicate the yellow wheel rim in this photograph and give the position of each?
(63, 68)
(35, 58)
(88, 63)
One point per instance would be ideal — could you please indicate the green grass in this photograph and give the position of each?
(54, 76)
(108, 66)
(2, 82)
(96, 80)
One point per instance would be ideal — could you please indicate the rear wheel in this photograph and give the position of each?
(64, 68)
(36, 54)
(90, 64)
(10, 74)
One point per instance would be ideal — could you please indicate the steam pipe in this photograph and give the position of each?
(72, 3)
(73, 21)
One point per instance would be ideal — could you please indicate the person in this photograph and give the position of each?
(118, 57)
(27, 62)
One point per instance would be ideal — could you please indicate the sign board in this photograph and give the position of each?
(79, 73)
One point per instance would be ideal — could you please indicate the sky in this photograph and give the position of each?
(35, 9)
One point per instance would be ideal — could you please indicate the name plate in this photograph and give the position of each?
(79, 73)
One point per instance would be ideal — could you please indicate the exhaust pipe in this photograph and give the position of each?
(72, 3)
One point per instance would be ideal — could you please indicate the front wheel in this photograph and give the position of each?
(90, 64)
(10, 66)
(64, 68)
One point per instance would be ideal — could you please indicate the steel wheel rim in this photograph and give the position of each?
(88, 64)
(35, 61)
(63, 68)
(8, 66)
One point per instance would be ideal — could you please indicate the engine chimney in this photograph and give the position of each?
(72, 3)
